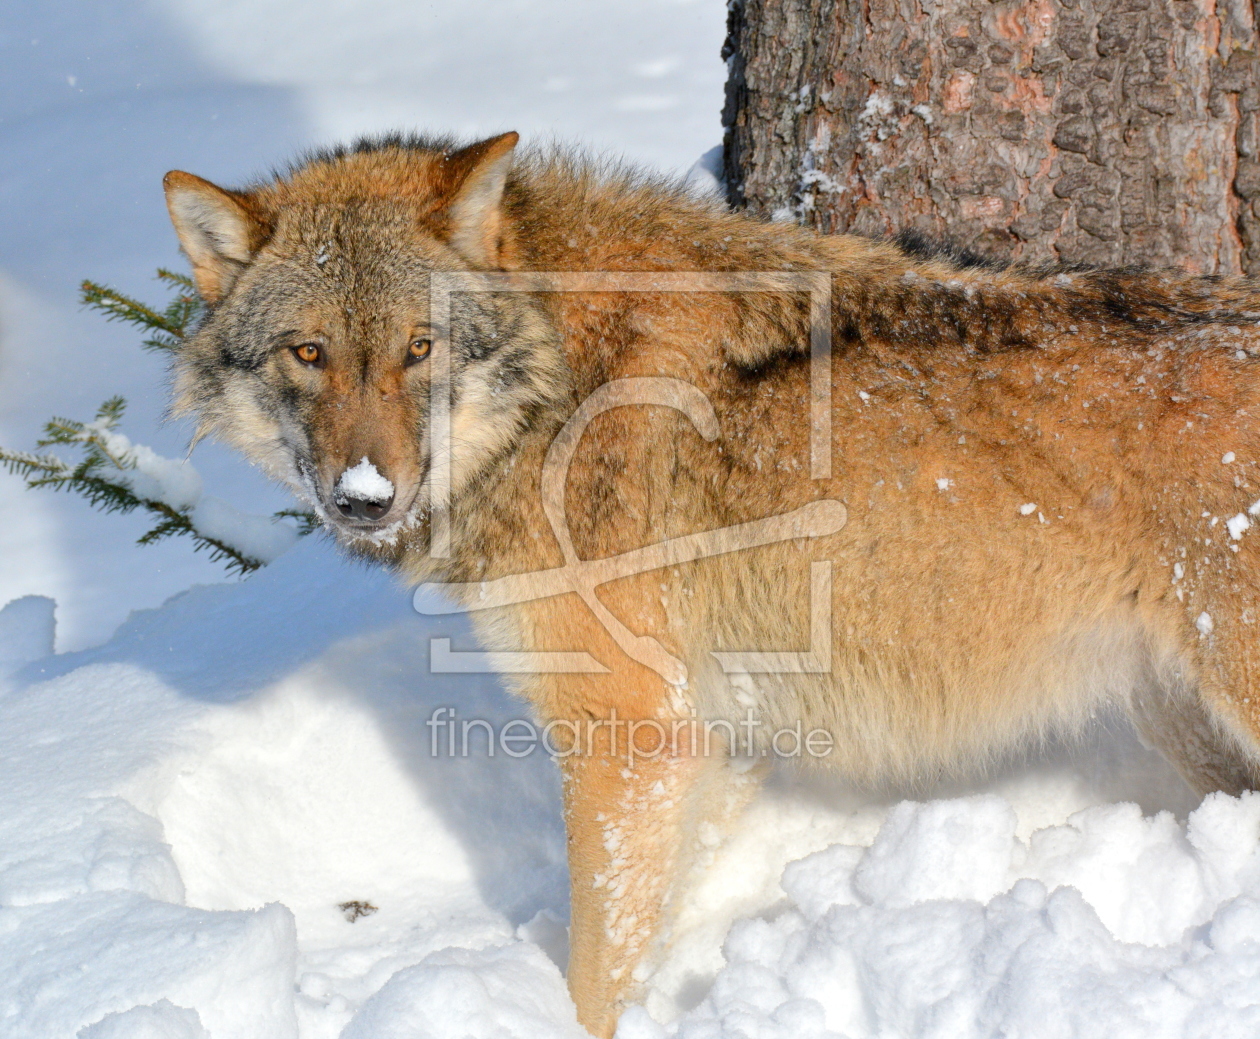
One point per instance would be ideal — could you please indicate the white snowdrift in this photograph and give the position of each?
(27, 630)
(184, 810)
(948, 926)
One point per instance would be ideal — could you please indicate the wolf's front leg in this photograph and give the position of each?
(633, 833)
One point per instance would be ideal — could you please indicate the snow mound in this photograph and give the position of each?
(365, 483)
(28, 628)
(185, 810)
(948, 925)
(85, 959)
(509, 992)
(161, 1020)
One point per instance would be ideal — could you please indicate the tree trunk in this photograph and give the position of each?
(1093, 131)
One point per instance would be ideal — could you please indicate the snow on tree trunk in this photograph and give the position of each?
(1096, 131)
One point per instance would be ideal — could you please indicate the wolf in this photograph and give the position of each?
(1041, 481)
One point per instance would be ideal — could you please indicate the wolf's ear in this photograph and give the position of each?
(477, 175)
(215, 230)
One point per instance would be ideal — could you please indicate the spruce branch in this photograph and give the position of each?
(307, 521)
(168, 326)
(101, 476)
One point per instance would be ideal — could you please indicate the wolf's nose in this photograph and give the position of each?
(363, 493)
(364, 508)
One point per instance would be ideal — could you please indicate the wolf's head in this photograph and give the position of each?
(315, 356)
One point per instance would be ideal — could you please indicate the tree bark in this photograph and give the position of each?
(1094, 131)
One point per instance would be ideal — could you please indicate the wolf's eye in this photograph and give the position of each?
(309, 353)
(418, 350)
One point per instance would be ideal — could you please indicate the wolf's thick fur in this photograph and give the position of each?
(1044, 471)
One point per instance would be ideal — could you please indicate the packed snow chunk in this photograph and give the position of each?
(364, 483)
(1204, 623)
(1138, 873)
(1237, 525)
(637, 1023)
(1236, 927)
(70, 964)
(256, 537)
(28, 628)
(1113, 924)
(942, 849)
(1028, 508)
(504, 992)
(160, 1020)
(824, 879)
(1224, 832)
(125, 852)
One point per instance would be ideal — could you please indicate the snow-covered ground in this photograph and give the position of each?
(224, 815)
(186, 809)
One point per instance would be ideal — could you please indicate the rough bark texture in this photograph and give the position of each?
(1095, 131)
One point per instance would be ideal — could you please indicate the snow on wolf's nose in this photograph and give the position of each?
(363, 493)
